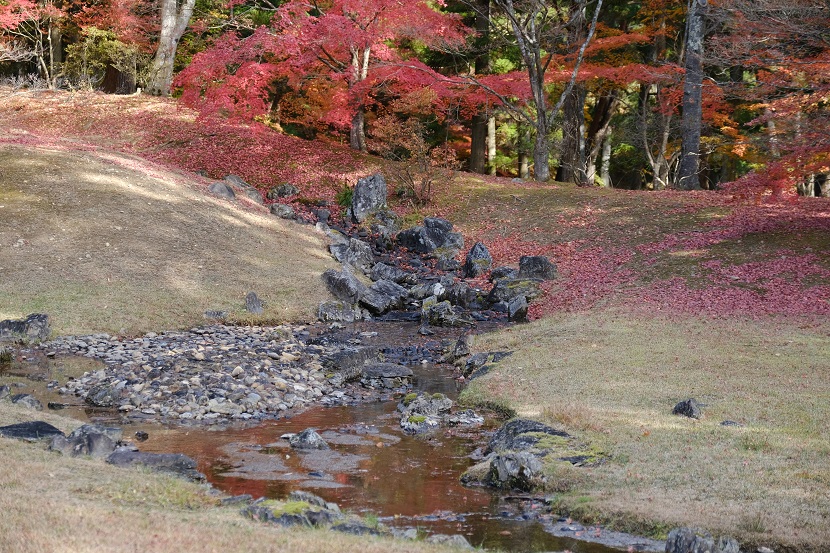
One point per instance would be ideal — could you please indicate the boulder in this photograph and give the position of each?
(444, 314)
(503, 272)
(344, 285)
(521, 434)
(253, 194)
(237, 181)
(465, 418)
(689, 540)
(253, 304)
(222, 189)
(356, 528)
(382, 296)
(385, 224)
(386, 375)
(356, 253)
(455, 540)
(435, 233)
(308, 439)
(478, 261)
(27, 400)
(105, 395)
(517, 309)
(349, 361)
(424, 404)
(90, 439)
(688, 408)
(369, 196)
(30, 431)
(282, 191)
(311, 499)
(382, 271)
(282, 211)
(173, 463)
(514, 470)
(34, 328)
(506, 289)
(5, 391)
(536, 266)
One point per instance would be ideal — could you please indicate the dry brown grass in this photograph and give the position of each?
(106, 242)
(51, 503)
(613, 379)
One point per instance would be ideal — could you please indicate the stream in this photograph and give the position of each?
(373, 467)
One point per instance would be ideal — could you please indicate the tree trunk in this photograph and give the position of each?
(524, 147)
(605, 163)
(491, 144)
(687, 174)
(478, 126)
(174, 20)
(357, 133)
(572, 163)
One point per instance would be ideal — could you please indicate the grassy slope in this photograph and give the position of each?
(621, 342)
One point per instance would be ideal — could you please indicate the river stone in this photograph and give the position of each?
(312, 499)
(282, 191)
(174, 463)
(688, 408)
(27, 400)
(387, 370)
(282, 211)
(536, 266)
(349, 361)
(356, 528)
(514, 470)
(90, 439)
(344, 285)
(34, 328)
(478, 261)
(368, 196)
(30, 431)
(253, 304)
(689, 540)
(308, 439)
(222, 189)
(514, 435)
(339, 311)
(455, 540)
(424, 404)
(465, 418)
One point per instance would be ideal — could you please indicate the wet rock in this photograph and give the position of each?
(369, 195)
(688, 408)
(90, 439)
(465, 418)
(475, 362)
(173, 463)
(536, 266)
(283, 211)
(422, 413)
(344, 285)
(105, 395)
(340, 311)
(517, 309)
(34, 328)
(386, 375)
(349, 361)
(356, 253)
(688, 540)
(282, 191)
(27, 400)
(508, 288)
(222, 189)
(312, 499)
(478, 261)
(30, 431)
(308, 439)
(514, 470)
(253, 304)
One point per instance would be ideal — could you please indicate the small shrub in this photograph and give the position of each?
(344, 195)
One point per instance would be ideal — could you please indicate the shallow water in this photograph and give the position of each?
(372, 466)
